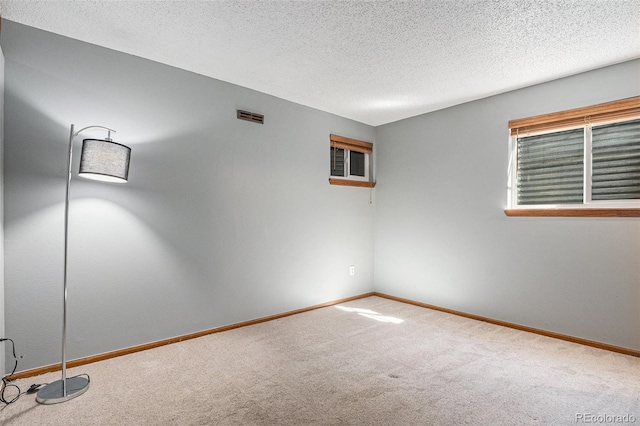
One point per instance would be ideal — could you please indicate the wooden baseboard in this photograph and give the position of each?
(586, 342)
(133, 349)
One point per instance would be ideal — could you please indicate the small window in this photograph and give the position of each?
(350, 161)
(349, 164)
(583, 162)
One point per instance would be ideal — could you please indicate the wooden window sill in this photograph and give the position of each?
(347, 182)
(585, 212)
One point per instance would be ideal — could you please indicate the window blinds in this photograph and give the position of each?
(337, 162)
(551, 168)
(616, 161)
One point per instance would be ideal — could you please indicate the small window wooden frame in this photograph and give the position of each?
(357, 146)
(610, 112)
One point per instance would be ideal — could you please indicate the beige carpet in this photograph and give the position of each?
(368, 362)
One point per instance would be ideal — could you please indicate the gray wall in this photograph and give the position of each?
(441, 236)
(222, 221)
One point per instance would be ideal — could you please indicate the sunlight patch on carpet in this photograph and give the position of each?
(368, 313)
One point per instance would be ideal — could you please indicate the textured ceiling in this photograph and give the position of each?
(374, 61)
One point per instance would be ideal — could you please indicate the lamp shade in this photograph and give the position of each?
(104, 160)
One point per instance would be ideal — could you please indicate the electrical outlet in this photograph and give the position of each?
(352, 270)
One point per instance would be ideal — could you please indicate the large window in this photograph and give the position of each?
(582, 162)
(350, 162)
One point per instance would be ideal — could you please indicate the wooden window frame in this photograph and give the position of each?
(605, 113)
(357, 146)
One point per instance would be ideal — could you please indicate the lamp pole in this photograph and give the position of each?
(72, 136)
(66, 389)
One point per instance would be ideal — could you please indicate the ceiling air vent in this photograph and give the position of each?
(250, 116)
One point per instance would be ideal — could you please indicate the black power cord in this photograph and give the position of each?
(5, 381)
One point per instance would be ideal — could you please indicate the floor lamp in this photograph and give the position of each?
(105, 160)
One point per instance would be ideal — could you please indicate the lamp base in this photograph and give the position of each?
(53, 392)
